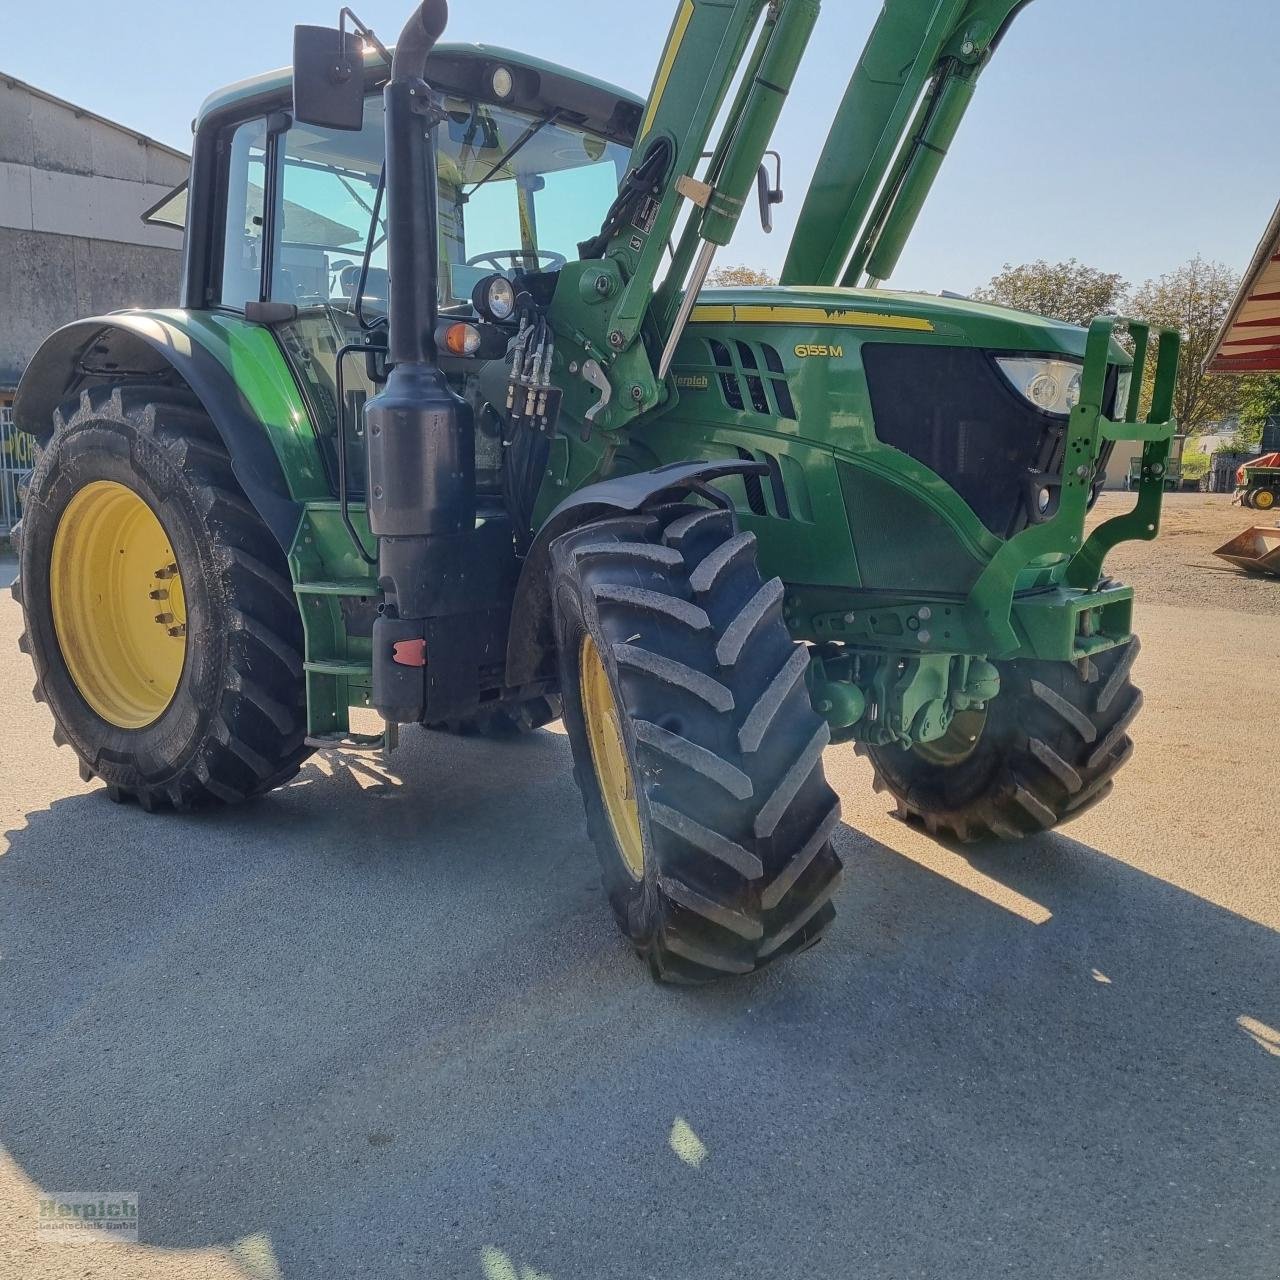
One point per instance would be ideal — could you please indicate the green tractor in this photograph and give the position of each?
(447, 426)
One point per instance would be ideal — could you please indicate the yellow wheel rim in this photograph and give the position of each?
(609, 756)
(118, 606)
(1264, 500)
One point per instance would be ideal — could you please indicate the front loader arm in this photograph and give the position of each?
(604, 310)
(908, 95)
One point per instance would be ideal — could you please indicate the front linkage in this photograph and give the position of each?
(1028, 728)
(899, 674)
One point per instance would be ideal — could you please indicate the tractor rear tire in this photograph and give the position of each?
(1047, 749)
(695, 744)
(513, 721)
(204, 702)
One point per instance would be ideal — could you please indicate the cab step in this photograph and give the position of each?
(358, 743)
(345, 667)
(362, 587)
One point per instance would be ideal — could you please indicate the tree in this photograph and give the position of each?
(1195, 465)
(1067, 291)
(738, 277)
(1259, 400)
(1195, 300)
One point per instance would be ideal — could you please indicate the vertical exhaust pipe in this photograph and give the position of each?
(420, 435)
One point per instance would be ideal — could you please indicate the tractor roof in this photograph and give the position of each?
(280, 79)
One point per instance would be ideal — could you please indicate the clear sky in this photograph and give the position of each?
(1128, 133)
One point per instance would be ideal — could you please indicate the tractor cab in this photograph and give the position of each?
(288, 224)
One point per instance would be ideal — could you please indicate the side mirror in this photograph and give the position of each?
(328, 78)
(770, 194)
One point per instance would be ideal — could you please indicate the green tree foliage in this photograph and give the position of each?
(1195, 465)
(1259, 400)
(1067, 291)
(738, 277)
(1195, 300)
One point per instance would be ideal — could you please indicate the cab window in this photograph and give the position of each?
(246, 215)
(305, 225)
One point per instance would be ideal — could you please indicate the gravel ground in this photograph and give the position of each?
(379, 1024)
(1183, 569)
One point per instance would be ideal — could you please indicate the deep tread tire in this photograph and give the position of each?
(725, 746)
(236, 726)
(1055, 738)
(512, 721)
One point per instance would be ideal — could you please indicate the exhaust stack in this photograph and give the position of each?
(420, 435)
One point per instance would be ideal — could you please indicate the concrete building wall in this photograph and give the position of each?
(73, 188)
(47, 281)
(1126, 452)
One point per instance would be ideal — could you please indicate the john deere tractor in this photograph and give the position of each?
(447, 426)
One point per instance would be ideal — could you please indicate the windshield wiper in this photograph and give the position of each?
(516, 147)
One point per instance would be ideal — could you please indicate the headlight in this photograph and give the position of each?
(495, 298)
(1053, 386)
(1120, 410)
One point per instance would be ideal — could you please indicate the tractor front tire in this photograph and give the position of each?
(695, 744)
(159, 611)
(1046, 749)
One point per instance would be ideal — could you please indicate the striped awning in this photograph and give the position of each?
(1249, 341)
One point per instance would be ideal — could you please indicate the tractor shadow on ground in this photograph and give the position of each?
(388, 1027)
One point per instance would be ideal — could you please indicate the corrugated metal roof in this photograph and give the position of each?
(1249, 341)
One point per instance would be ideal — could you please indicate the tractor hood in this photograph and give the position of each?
(909, 93)
(957, 321)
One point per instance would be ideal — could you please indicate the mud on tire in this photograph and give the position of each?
(236, 724)
(724, 744)
(1054, 740)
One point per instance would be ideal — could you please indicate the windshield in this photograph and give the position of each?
(515, 191)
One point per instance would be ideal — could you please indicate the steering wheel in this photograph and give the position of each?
(518, 259)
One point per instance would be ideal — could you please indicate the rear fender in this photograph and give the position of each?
(532, 642)
(153, 347)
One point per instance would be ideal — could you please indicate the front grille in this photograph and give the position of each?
(752, 378)
(951, 409)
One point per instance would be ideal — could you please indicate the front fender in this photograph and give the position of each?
(234, 368)
(531, 643)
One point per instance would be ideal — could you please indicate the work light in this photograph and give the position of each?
(495, 298)
(1053, 386)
